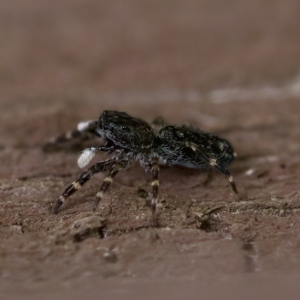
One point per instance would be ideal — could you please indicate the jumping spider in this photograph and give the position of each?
(132, 139)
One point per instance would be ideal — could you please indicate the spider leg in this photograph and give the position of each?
(85, 130)
(229, 177)
(105, 185)
(84, 177)
(155, 185)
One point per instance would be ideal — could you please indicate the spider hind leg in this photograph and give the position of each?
(229, 177)
(155, 186)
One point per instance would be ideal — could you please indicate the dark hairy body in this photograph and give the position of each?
(131, 139)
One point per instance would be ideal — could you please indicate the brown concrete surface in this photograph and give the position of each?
(230, 67)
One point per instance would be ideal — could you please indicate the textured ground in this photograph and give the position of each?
(231, 68)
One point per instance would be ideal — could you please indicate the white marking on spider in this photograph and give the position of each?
(192, 146)
(83, 125)
(99, 194)
(85, 157)
(108, 179)
(76, 185)
(230, 178)
(155, 183)
(213, 162)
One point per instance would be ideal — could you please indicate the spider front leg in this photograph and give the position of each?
(85, 130)
(155, 185)
(84, 177)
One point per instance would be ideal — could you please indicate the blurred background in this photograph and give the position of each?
(64, 61)
(75, 49)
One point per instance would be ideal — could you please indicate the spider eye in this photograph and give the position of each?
(125, 128)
